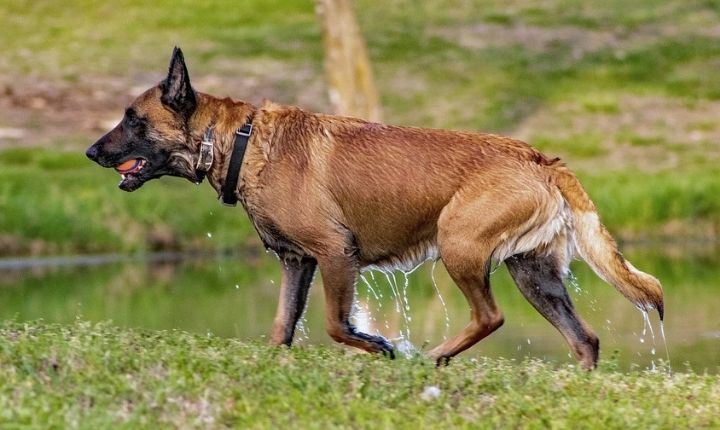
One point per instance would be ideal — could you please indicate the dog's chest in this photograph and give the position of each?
(272, 236)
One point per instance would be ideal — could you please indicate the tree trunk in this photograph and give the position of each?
(350, 82)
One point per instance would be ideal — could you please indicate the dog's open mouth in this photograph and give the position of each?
(130, 167)
(129, 171)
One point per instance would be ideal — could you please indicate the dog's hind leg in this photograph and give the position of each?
(297, 274)
(539, 280)
(469, 229)
(484, 313)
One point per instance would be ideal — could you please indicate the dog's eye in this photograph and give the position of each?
(131, 118)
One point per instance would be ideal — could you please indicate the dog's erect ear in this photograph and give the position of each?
(177, 93)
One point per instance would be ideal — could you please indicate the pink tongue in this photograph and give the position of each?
(128, 165)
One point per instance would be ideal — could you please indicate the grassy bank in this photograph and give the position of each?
(623, 91)
(53, 203)
(57, 203)
(99, 376)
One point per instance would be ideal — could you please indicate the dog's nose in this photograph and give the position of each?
(92, 152)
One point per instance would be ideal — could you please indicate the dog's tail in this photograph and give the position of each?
(594, 244)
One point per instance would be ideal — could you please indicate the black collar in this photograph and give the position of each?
(242, 135)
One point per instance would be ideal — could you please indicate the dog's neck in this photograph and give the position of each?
(224, 117)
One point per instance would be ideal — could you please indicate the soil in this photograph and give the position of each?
(71, 114)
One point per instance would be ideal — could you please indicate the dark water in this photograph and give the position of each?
(236, 296)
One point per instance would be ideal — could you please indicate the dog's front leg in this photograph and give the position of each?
(297, 274)
(339, 275)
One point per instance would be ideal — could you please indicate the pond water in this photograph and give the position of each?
(236, 297)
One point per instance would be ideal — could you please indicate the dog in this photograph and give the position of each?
(342, 194)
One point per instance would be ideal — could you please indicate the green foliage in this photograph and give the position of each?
(636, 200)
(56, 201)
(479, 65)
(98, 376)
(578, 146)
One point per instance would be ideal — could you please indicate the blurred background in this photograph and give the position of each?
(626, 92)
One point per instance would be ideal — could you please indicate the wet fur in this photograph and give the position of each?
(343, 194)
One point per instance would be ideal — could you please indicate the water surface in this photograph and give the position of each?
(236, 296)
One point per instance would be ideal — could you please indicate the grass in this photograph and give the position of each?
(623, 91)
(63, 214)
(86, 375)
(563, 75)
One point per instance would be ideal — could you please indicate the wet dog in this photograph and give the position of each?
(342, 194)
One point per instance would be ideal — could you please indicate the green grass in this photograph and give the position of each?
(427, 75)
(57, 202)
(633, 201)
(577, 146)
(52, 200)
(86, 375)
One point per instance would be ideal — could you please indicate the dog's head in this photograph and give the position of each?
(153, 139)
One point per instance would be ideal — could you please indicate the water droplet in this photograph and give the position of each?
(442, 301)
(572, 281)
(369, 287)
(303, 331)
(667, 352)
(400, 297)
(405, 347)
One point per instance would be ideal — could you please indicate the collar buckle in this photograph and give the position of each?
(207, 153)
(245, 130)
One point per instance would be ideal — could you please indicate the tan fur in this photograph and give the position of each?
(595, 245)
(348, 195)
(331, 183)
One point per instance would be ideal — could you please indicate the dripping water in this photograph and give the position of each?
(368, 291)
(647, 325)
(573, 282)
(403, 340)
(667, 352)
(442, 301)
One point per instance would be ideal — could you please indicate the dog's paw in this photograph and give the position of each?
(386, 347)
(377, 343)
(439, 356)
(442, 361)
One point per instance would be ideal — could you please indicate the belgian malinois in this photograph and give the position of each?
(344, 194)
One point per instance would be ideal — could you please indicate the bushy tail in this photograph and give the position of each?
(595, 245)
